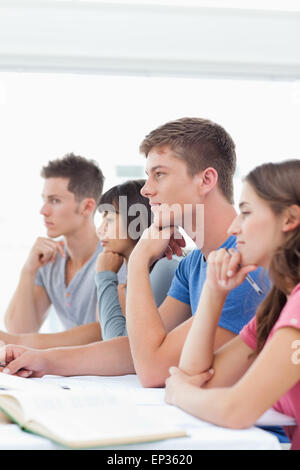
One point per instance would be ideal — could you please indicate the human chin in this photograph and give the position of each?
(249, 256)
(53, 233)
(166, 216)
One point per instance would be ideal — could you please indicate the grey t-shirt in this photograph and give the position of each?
(112, 320)
(76, 303)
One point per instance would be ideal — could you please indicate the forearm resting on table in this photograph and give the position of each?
(246, 386)
(219, 406)
(111, 357)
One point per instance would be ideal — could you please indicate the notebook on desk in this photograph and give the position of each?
(77, 419)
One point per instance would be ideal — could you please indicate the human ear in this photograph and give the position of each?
(292, 218)
(88, 206)
(207, 179)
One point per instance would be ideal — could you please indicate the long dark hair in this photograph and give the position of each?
(279, 185)
(127, 200)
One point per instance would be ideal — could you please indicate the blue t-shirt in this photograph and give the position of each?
(241, 303)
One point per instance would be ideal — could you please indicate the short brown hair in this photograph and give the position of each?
(201, 143)
(85, 177)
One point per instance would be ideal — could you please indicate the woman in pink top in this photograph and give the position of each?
(260, 368)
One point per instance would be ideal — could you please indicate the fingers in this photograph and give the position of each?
(177, 375)
(47, 249)
(226, 265)
(176, 246)
(15, 359)
(58, 248)
(206, 376)
(234, 262)
(109, 261)
(24, 373)
(176, 243)
(169, 252)
(8, 353)
(241, 275)
(17, 366)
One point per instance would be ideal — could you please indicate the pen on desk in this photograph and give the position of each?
(250, 280)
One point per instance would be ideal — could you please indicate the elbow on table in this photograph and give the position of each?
(238, 417)
(151, 376)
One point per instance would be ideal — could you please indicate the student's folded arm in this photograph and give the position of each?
(230, 362)
(153, 370)
(237, 403)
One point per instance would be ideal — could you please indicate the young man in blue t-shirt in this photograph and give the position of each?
(190, 164)
(190, 167)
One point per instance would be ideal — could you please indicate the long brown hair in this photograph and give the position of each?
(279, 185)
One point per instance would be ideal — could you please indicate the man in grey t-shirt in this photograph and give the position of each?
(61, 272)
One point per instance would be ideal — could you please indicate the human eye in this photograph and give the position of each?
(158, 174)
(54, 201)
(244, 214)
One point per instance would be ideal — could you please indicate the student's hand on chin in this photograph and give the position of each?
(224, 271)
(157, 242)
(175, 245)
(43, 251)
(109, 261)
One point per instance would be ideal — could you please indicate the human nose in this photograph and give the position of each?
(234, 228)
(146, 190)
(45, 209)
(101, 229)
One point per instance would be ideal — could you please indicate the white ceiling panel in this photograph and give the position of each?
(91, 37)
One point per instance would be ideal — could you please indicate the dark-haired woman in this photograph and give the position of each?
(126, 214)
(260, 368)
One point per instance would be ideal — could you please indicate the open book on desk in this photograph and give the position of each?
(79, 420)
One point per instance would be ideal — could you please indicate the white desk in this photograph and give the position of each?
(201, 435)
